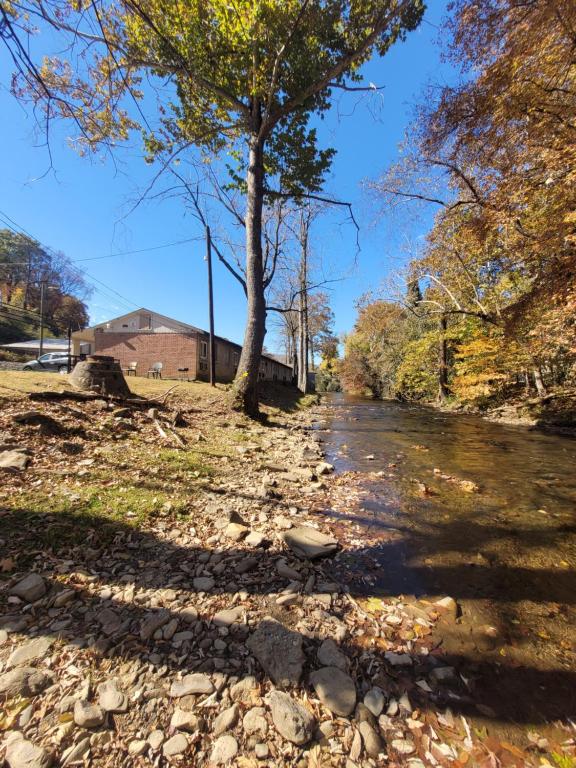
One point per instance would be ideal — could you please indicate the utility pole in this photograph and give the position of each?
(42, 288)
(211, 308)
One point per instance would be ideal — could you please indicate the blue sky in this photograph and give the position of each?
(81, 207)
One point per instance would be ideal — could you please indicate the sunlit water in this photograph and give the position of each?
(506, 553)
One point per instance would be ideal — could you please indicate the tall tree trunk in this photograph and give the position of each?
(540, 387)
(246, 382)
(303, 384)
(443, 390)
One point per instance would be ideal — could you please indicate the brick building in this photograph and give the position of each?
(145, 338)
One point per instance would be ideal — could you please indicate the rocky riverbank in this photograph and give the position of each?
(173, 592)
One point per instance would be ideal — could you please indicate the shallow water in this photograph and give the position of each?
(506, 553)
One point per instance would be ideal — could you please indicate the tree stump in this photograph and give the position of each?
(100, 373)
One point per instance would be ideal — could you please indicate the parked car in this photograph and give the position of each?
(51, 361)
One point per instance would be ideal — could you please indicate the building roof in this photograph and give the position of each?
(31, 345)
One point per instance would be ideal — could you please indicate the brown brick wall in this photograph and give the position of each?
(174, 350)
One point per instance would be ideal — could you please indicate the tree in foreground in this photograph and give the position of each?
(242, 78)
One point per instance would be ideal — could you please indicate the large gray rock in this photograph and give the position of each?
(308, 543)
(292, 721)
(279, 651)
(227, 617)
(203, 583)
(30, 588)
(24, 681)
(335, 689)
(24, 754)
(30, 651)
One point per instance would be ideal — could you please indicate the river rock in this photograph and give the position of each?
(245, 690)
(279, 651)
(308, 543)
(155, 739)
(30, 651)
(14, 460)
(335, 689)
(152, 623)
(324, 468)
(329, 655)
(227, 617)
(371, 739)
(184, 720)
(225, 720)
(21, 753)
(225, 749)
(292, 721)
(24, 681)
(203, 583)
(286, 571)
(88, 715)
(175, 746)
(30, 588)
(236, 531)
(190, 684)
(110, 698)
(255, 539)
(137, 747)
(374, 701)
(255, 721)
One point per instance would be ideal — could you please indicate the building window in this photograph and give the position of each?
(204, 349)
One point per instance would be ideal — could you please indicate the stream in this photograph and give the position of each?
(454, 505)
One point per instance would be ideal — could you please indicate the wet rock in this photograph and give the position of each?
(24, 681)
(292, 721)
(34, 649)
(190, 684)
(335, 689)
(226, 720)
(374, 701)
(308, 543)
(152, 623)
(88, 715)
(15, 461)
(225, 749)
(329, 655)
(175, 746)
(203, 583)
(279, 651)
(255, 721)
(21, 753)
(110, 698)
(30, 588)
(372, 741)
(245, 690)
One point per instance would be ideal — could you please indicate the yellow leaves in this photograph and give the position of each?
(11, 711)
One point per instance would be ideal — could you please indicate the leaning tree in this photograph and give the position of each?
(238, 78)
